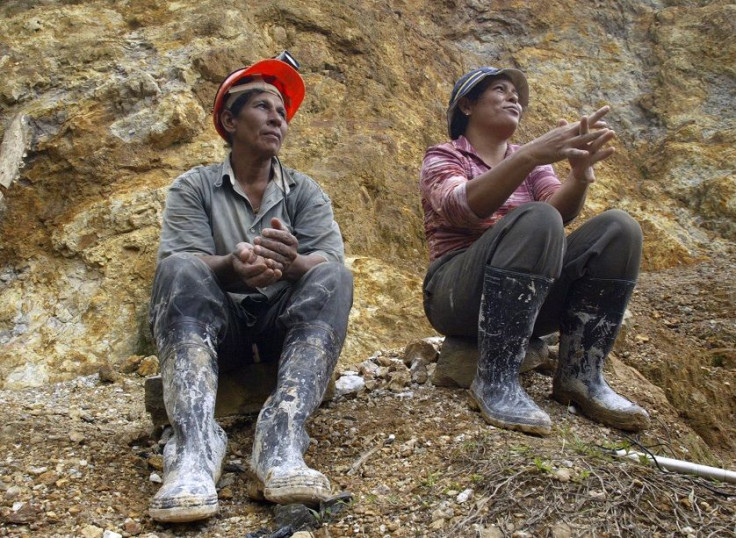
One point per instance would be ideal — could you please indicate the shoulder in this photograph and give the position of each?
(446, 148)
(303, 184)
(443, 158)
(199, 176)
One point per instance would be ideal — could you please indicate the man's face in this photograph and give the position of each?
(260, 126)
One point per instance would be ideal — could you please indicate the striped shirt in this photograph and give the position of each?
(449, 223)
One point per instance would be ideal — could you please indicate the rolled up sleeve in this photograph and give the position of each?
(443, 184)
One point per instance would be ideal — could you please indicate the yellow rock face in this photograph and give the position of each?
(118, 99)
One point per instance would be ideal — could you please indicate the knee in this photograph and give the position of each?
(331, 275)
(182, 267)
(624, 227)
(334, 277)
(534, 242)
(181, 281)
(539, 219)
(332, 282)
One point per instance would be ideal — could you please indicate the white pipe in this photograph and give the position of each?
(682, 466)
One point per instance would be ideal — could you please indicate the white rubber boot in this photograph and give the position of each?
(194, 456)
(309, 355)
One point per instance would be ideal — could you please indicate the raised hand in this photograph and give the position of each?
(277, 244)
(595, 151)
(576, 142)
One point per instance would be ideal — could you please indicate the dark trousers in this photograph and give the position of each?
(531, 239)
(186, 292)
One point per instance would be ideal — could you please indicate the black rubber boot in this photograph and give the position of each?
(590, 323)
(308, 358)
(508, 308)
(194, 456)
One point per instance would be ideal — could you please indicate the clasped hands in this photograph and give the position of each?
(268, 258)
(582, 143)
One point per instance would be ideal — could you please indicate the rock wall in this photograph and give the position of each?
(105, 102)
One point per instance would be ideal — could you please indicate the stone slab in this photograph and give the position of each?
(458, 360)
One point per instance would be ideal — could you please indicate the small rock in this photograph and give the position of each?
(293, 515)
(23, 513)
(132, 527)
(91, 531)
(561, 530)
(349, 384)
(107, 374)
(76, 437)
(490, 532)
(156, 461)
(111, 534)
(443, 511)
(148, 366)
(155, 478)
(399, 380)
(368, 369)
(419, 373)
(13, 492)
(464, 496)
(563, 475)
(420, 350)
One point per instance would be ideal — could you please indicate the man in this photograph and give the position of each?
(249, 268)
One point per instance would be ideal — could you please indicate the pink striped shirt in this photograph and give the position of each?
(449, 223)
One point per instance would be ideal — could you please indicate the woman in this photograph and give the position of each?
(249, 268)
(501, 267)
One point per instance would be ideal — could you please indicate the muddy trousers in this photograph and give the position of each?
(189, 310)
(523, 277)
(531, 240)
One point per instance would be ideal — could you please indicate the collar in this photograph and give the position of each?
(463, 145)
(283, 181)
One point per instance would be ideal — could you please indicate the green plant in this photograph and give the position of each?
(542, 466)
(431, 479)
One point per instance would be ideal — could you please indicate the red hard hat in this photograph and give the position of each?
(286, 79)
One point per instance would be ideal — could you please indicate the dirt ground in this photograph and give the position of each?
(80, 459)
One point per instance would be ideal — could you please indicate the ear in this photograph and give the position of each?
(228, 121)
(465, 106)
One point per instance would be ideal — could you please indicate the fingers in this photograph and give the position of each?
(575, 153)
(264, 278)
(599, 136)
(583, 129)
(277, 244)
(256, 271)
(244, 252)
(598, 114)
(600, 155)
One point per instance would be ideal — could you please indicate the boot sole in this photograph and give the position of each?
(185, 511)
(296, 490)
(632, 422)
(506, 423)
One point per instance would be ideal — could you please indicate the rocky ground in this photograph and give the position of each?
(81, 458)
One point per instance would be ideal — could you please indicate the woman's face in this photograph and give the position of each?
(497, 107)
(260, 125)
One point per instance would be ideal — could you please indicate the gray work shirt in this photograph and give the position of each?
(207, 213)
